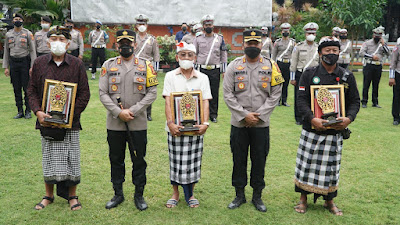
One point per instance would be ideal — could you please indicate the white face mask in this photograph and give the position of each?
(310, 37)
(186, 64)
(58, 48)
(45, 26)
(142, 28)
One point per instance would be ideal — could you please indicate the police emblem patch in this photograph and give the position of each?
(136, 61)
(265, 85)
(103, 71)
(240, 78)
(114, 69)
(141, 69)
(114, 87)
(265, 67)
(264, 78)
(240, 67)
(316, 80)
(140, 87)
(140, 79)
(119, 61)
(241, 85)
(113, 79)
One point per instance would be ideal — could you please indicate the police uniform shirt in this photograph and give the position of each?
(76, 41)
(41, 42)
(188, 38)
(252, 87)
(346, 50)
(117, 80)
(369, 47)
(266, 46)
(94, 35)
(151, 51)
(203, 45)
(280, 47)
(302, 54)
(395, 62)
(18, 45)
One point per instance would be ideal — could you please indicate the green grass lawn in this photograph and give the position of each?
(368, 191)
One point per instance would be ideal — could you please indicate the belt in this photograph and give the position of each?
(284, 60)
(209, 67)
(98, 46)
(376, 63)
(300, 70)
(18, 59)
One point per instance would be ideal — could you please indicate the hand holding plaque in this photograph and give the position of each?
(188, 108)
(326, 101)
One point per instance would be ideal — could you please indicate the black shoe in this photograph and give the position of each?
(140, 203)
(299, 123)
(364, 105)
(238, 201)
(149, 118)
(19, 115)
(395, 122)
(285, 104)
(115, 201)
(259, 204)
(376, 106)
(214, 120)
(28, 115)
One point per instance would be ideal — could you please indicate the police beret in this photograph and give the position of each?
(46, 19)
(99, 22)
(18, 15)
(328, 41)
(59, 30)
(252, 34)
(126, 34)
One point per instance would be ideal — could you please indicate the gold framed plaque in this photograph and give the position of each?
(59, 102)
(327, 102)
(187, 110)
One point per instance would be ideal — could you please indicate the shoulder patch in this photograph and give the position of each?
(118, 61)
(103, 71)
(151, 75)
(276, 76)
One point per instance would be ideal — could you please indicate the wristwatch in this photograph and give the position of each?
(206, 123)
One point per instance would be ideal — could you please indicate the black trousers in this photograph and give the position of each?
(396, 98)
(372, 73)
(117, 144)
(258, 140)
(344, 65)
(19, 73)
(148, 110)
(284, 67)
(75, 53)
(297, 115)
(214, 77)
(98, 53)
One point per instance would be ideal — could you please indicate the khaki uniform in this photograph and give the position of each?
(369, 48)
(151, 51)
(94, 35)
(188, 38)
(18, 45)
(219, 54)
(252, 88)
(117, 80)
(41, 42)
(301, 56)
(266, 46)
(76, 41)
(280, 47)
(394, 73)
(346, 50)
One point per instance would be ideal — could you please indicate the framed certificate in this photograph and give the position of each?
(187, 110)
(327, 102)
(59, 102)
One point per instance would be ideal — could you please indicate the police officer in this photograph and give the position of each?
(147, 47)
(97, 39)
(266, 43)
(394, 81)
(189, 38)
(281, 53)
(76, 45)
(373, 51)
(19, 54)
(346, 49)
(133, 80)
(252, 89)
(336, 32)
(41, 37)
(304, 55)
(212, 58)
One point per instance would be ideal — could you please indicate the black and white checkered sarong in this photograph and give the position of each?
(185, 154)
(61, 159)
(318, 162)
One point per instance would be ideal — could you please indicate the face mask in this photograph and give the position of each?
(142, 28)
(330, 59)
(264, 35)
(209, 30)
(343, 36)
(45, 26)
(98, 26)
(198, 33)
(126, 51)
(186, 64)
(58, 48)
(285, 34)
(69, 27)
(184, 29)
(252, 52)
(310, 37)
(377, 39)
(17, 23)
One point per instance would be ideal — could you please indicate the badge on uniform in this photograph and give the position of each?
(240, 78)
(140, 87)
(114, 69)
(316, 80)
(139, 79)
(113, 80)
(103, 71)
(264, 78)
(240, 67)
(265, 67)
(114, 87)
(151, 75)
(276, 76)
(241, 85)
(265, 85)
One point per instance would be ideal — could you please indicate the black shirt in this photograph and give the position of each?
(319, 76)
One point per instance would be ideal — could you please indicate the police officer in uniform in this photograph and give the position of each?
(252, 89)
(304, 55)
(134, 81)
(336, 32)
(41, 37)
(97, 39)
(211, 60)
(19, 54)
(394, 81)
(267, 44)
(189, 38)
(373, 51)
(281, 53)
(76, 45)
(346, 49)
(147, 47)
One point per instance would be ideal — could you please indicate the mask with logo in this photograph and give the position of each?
(18, 23)
(208, 30)
(310, 37)
(186, 64)
(252, 52)
(142, 28)
(330, 59)
(58, 48)
(125, 50)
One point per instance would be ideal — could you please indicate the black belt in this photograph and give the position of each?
(14, 59)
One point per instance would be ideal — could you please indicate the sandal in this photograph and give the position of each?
(301, 207)
(77, 204)
(51, 200)
(333, 209)
(193, 202)
(172, 202)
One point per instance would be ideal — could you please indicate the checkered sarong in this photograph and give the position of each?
(185, 154)
(318, 162)
(61, 159)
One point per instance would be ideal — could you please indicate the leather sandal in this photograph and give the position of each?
(333, 209)
(77, 204)
(301, 207)
(51, 200)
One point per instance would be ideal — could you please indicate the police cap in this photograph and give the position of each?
(311, 27)
(18, 15)
(252, 35)
(46, 19)
(126, 34)
(141, 19)
(207, 19)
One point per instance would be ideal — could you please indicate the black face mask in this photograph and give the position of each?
(126, 51)
(285, 34)
(377, 39)
(330, 59)
(209, 30)
(69, 27)
(343, 36)
(98, 26)
(17, 23)
(252, 52)
(184, 29)
(264, 35)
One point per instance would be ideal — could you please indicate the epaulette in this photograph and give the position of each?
(111, 59)
(301, 42)
(279, 39)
